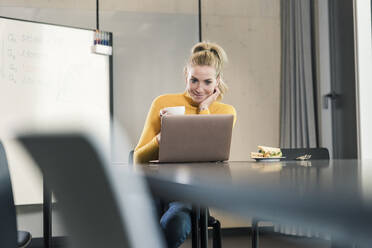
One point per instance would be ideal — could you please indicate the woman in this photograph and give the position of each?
(204, 89)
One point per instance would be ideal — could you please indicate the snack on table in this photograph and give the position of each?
(267, 152)
(256, 155)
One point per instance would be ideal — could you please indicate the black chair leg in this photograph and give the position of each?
(47, 215)
(254, 233)
(195, 237)
(204, 227)
(216, 225)
(200, 220)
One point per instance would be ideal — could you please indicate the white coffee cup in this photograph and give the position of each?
(179, 110)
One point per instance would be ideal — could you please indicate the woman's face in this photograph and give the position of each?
(201, 82)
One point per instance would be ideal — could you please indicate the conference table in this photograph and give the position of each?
(332, 197)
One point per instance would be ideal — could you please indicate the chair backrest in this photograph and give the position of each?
(8, 221)
(316, 153)
(101, 204)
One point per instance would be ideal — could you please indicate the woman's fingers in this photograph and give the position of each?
(163, 112)
(217, 93)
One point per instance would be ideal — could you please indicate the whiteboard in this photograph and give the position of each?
(49, 73)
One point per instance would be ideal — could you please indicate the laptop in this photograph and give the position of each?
(195, 138)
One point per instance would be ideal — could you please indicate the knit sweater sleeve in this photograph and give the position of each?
(148, 147)
(221, 109)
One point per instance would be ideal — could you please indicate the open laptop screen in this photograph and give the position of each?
(195, 138)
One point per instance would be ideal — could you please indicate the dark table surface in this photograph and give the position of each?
(334, 196)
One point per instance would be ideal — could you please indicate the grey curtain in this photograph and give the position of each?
(297, 120)
(297, 104)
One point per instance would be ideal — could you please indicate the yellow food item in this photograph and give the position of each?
(256, 155)
(270, 152)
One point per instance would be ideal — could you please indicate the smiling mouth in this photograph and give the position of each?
(197, 95)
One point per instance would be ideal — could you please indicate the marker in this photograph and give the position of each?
(104, 39)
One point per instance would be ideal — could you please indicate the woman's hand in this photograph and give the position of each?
(162, 113)
(210, 99)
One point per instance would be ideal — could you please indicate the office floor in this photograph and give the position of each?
(236, 240)
(268, 241)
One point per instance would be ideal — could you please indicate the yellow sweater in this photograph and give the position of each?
(148, 147)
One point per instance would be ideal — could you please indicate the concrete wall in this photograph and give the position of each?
(250, 33)
(249, 30)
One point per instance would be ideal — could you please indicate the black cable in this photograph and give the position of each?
(200, 22)
(97, 14)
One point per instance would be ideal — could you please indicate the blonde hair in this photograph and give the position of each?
(210, 54)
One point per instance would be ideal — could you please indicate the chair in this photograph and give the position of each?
(101, 205)
(316, 153)
(8, 223)
(212, 222)
(24, 239)
(291, 154)
(9, 237)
